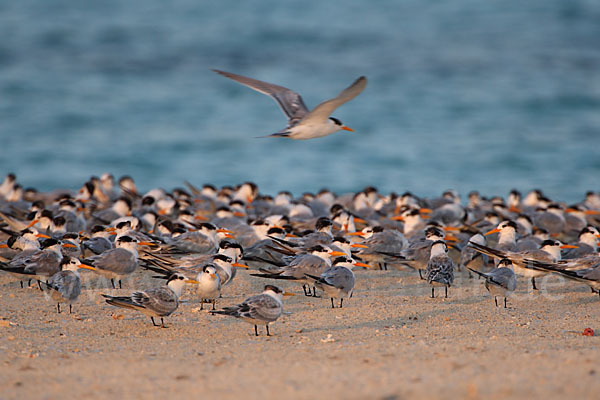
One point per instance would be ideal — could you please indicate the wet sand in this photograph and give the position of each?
(390, 341)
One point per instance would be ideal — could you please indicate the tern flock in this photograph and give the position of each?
(200, 236)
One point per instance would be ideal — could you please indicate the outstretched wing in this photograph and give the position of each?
(322, 112)
(290, 102)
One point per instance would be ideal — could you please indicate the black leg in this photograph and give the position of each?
(255, 330)
(57, 307)
(40, 285)
(120, 285)
(496, 301)
(214, 303)
(332, 306)
(446, 290)
(113, 283)
(304, 287)
(432, 292)
(268, 334)
(533, 283)
(70, 309)
(341, 302)
(162, 323)
(29, 283)
(420, 274)
(22, 286)
(385, 266)
(593, 291)
(314, 292)
(154, 323)
(201, 304)
(505, 302)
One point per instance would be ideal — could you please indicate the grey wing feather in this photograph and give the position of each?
(592, 274)
(338, 277)
(114, 260)
(262, 307)
(503, 277)
(324, 110)
(43, 263)
(162, 300)
(66, 283)
(290, 102)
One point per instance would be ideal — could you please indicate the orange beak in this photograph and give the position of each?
(592, 212)
(569, 246)
(222, 230)
(451, 228)
(239, 214)
(425, 210)
(85, 266)
(70, 245)
(288, 294)
(41, 235)
(201, 218)
(492, 231)
(359, 264)
(228, 236)
(162, 211)
(3, 246)
(240, 265)
(362, 246)
(32, 223)
(337, 254)
(214, 276)
(514, 209)
(451, 238)
(347, 129)
(359, 220)
(291, 235)
(397, 218)
(355, 234)
(146, 244)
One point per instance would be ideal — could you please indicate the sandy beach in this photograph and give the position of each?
(390, 341)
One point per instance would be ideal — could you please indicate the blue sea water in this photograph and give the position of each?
(463, 94)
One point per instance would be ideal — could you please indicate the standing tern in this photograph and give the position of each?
(119, 262)
(338, 280)
(590, 276)
(315, 262)
(549, 251)
(65, 285)
(155, 302)
(261, 309)
(440, 268)
(209, 285)
(302, 123)
(500, 281)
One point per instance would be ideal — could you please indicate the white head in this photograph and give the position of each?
(208, 274)
(507, 230)
(176, 282)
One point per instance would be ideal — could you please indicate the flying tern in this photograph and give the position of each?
(302, 123)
